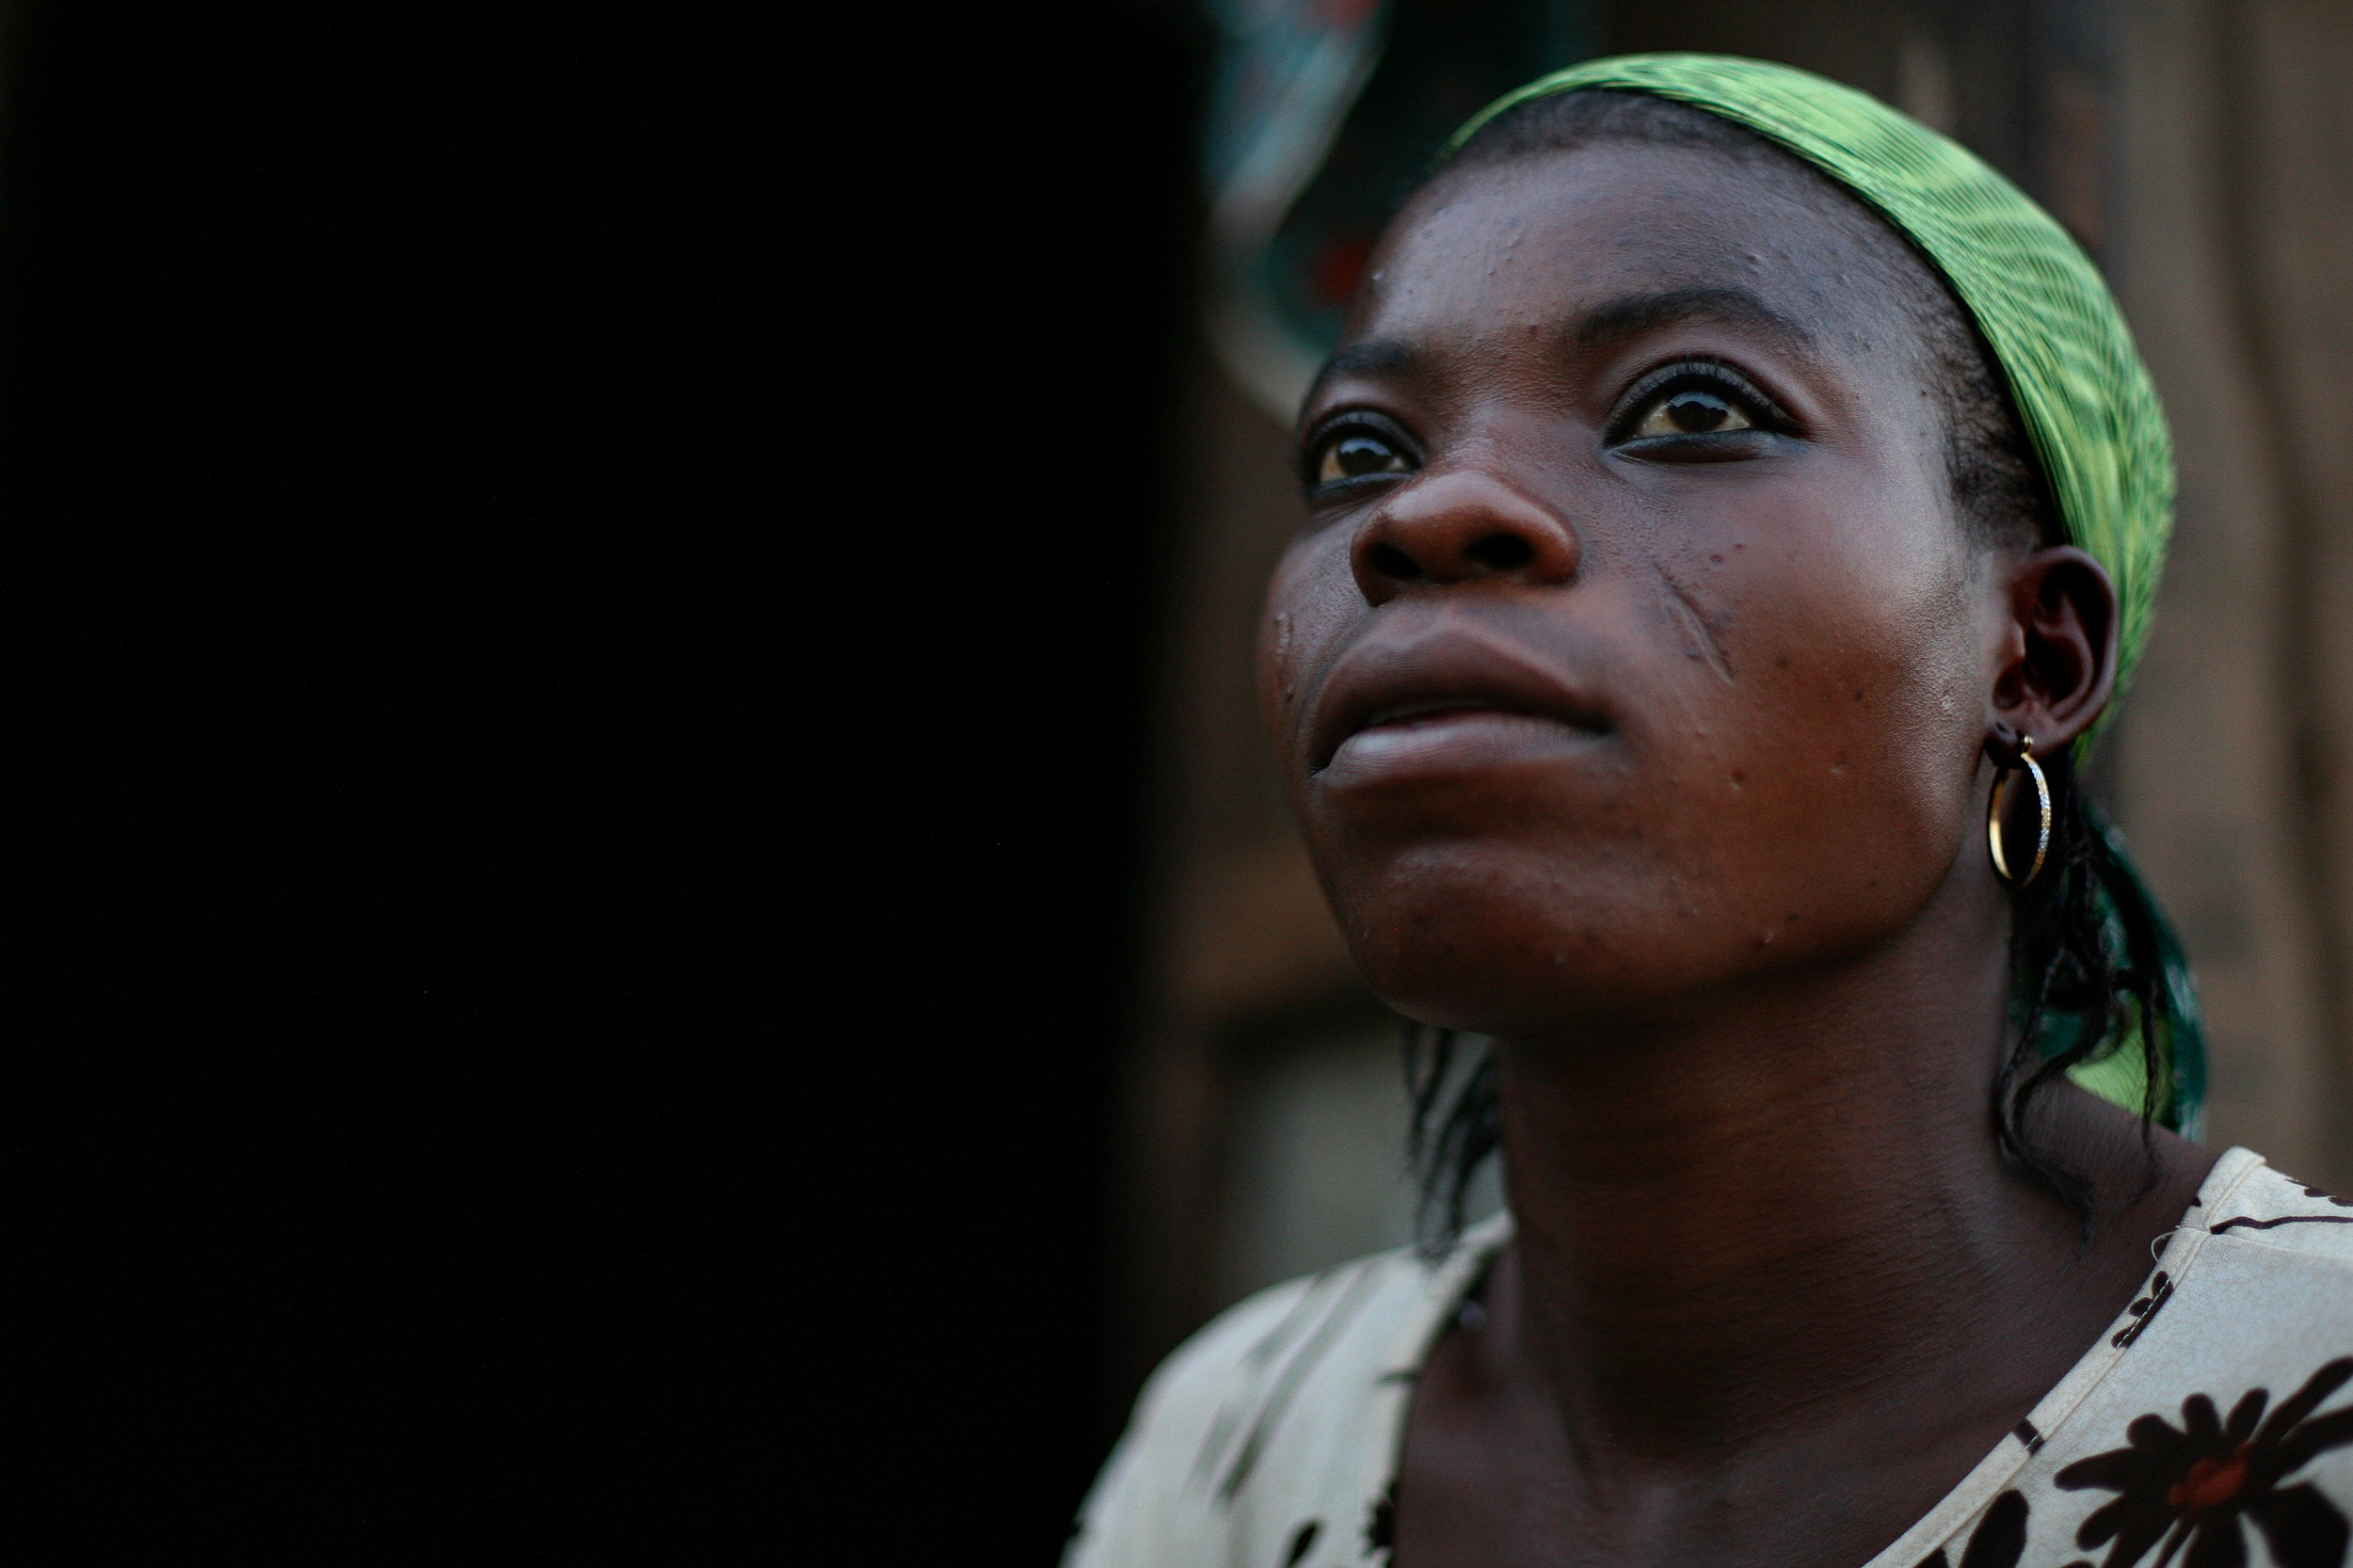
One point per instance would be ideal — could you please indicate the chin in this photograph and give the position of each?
(1496, 943)
(1492, 938)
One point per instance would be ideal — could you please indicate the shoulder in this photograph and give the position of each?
(2216, 1411)
(2261, 1291)
(2267, 1295)
(2291, 1218)
(2231, 1390)
(1274, 1420)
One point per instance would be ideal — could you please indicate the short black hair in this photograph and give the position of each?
(2088, 944)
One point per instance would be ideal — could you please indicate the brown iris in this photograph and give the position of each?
(1354, 456)
(1691, 412)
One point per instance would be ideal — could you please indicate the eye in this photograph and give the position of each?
(1355, 453)
(1691, 411)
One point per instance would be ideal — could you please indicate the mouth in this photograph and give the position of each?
(1390, 700)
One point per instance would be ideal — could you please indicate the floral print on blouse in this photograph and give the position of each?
(2212, 1426)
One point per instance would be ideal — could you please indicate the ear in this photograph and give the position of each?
(2057, 664)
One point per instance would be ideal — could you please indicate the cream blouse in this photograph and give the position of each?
(2213, 1423)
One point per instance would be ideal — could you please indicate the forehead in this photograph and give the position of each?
(1534, 240)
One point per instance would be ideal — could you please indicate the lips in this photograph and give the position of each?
(1434, 673)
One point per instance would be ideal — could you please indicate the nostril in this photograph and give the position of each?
(1390, 561)
(1502, 552)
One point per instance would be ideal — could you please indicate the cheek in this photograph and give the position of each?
(1310, 603)
(1843, 773)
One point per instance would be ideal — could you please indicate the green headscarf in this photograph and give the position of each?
(2087, 400)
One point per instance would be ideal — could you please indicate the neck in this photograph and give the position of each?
(1736, 1219)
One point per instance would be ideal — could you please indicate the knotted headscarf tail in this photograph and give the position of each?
(2088, 406)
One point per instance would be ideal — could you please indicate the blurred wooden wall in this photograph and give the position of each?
(2232, 157)
(2204, 151)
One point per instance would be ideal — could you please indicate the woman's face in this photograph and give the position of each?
(1631, 649)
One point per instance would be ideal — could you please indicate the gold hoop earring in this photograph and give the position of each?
(1994, 818)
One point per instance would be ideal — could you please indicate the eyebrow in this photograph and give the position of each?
(1628, 315)
(1631, 315)
(1373, 357)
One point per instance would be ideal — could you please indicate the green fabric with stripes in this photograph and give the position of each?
(2079, 384)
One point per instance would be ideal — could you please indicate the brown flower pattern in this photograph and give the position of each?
(2194, 1487)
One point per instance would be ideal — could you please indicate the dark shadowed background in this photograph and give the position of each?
(579, 593)
(396, 958)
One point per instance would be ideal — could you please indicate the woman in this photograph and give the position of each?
(1728, 493)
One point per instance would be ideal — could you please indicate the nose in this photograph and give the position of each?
(1458, 527)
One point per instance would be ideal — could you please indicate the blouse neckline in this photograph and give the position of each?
(1453, 1275)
